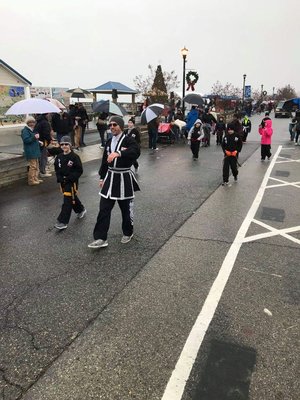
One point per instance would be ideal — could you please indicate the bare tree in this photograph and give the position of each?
(144, 84)
(285, 93)
(226, 90)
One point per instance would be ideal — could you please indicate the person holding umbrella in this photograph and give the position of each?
(32, 151)
(153, 133)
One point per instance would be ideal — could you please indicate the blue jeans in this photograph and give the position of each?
(152, 138)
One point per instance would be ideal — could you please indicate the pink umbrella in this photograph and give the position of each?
(57, 103)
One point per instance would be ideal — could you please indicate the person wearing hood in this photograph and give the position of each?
(246, 124)
(194, 136)
(265, 130)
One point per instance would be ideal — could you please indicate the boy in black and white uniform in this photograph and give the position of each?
(117, 182)
(68, 169)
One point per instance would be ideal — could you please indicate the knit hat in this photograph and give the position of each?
(66, 139)
(118, 120)
(29, 119)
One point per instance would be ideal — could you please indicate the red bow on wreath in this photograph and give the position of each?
(191, 80)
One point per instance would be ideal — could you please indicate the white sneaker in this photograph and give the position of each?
(126, 239)
(81, 214)
(96, 244)
(46, 175)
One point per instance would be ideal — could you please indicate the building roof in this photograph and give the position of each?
(109, 86)
(14, 72)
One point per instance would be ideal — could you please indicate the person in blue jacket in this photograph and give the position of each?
(32, 151)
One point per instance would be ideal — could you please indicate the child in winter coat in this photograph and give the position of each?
(265, 130)
(246, 124)
(194, 136)
(231, 146)
(133, 132)
(68, 168)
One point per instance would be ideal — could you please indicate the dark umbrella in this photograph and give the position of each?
(79, 93)
(109, 107)
(193, 98)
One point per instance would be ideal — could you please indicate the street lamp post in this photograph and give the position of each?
(184, 53)
(244, 80)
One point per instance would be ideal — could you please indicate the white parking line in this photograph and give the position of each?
(175, 387)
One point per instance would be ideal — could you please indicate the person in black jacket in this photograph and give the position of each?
(231, 146)
(220, 130)
(43, 128)
(117, 182)
(208, 120)
(133, 132)
(61, 124)
(102, 127)
(83, 120)
(68, 168)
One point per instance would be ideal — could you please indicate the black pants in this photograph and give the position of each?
(67, 208)
(195, 148)
(265, 151)
(103, 219)
(83, 128)
(102, 133)
(229, 161)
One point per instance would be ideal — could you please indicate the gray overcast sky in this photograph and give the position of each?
(88, 42)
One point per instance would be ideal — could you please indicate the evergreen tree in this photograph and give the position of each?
(158, 93)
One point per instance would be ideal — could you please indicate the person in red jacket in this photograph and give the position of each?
(265, 130)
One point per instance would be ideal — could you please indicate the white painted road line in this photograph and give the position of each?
(175, 387)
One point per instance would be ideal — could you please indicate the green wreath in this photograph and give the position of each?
(191, 79)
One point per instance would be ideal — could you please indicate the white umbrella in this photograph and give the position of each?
(57, 103)
(32, 106)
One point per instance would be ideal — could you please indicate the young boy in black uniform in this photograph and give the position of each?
(68, 168)
(231, 145)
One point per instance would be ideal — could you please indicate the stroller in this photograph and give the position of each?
(166, 133)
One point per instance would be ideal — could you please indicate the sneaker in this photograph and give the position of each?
(33, 183)
(96, 244)
(60, 226)
(126, 239)
(225, 184)
(45, 175)
(235, 178)
(81, 214)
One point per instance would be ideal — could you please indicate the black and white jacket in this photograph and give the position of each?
(119, 180)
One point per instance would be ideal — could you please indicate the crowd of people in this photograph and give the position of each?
(121, 150)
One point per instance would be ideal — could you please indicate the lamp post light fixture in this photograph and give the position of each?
(244, 80)
(184, 53)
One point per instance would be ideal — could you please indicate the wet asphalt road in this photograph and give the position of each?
(53, 289)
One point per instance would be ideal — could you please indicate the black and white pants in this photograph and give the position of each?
(103, 219)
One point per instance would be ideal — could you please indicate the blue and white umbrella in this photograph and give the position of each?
(151, 112)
